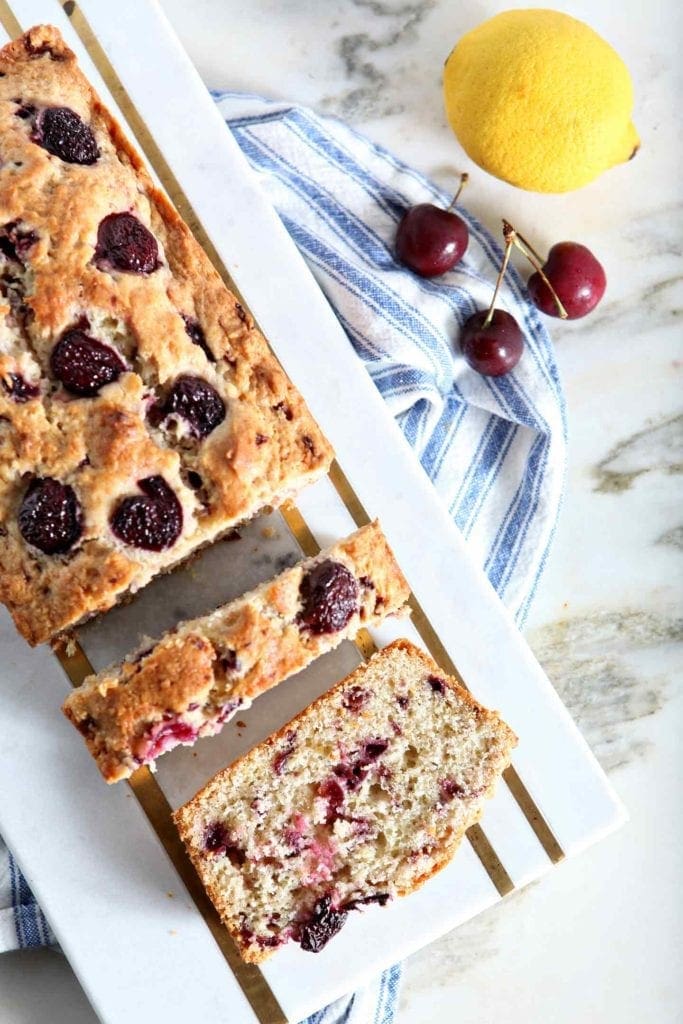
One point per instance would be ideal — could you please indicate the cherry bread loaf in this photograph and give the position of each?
(141, 412)
(197, 676)
(361, 798)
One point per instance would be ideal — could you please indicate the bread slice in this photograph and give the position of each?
(360, 798)
(199, 674)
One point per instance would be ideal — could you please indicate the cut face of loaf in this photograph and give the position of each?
(198, 675)
(362, 797)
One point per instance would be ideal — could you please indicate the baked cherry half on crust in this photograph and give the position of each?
(83, 364)
(329, 597)
(124, 243)
(50, 516)
(152, 520)
(194, 400)
(63, 133)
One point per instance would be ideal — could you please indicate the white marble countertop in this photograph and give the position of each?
(599, 940)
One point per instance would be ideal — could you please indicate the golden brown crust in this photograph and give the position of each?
(188, 673)
(265, 449)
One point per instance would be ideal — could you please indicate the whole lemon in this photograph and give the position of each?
(541, 100)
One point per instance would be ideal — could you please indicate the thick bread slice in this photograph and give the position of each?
(199, 674)
(362, 797)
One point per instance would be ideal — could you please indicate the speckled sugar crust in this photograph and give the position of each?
(141, 412)
(360, 798)
(202, 672)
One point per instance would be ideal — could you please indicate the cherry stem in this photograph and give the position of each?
(528, 245)
(514, 238)
(509, 242)
(464, 178)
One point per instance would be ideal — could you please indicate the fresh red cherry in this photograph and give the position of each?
(492, 344)
(577, 278)
(431, 240)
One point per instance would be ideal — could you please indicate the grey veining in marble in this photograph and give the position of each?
(368, 90)
(593, 660)
(673, 537)
(656, 447)
(473, 943)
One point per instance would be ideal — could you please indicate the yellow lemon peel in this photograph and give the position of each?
(540, 100)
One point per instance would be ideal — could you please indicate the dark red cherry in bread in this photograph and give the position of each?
(331, 791)
(18, 388)
(576, 276)
(152, 520)
(194, 400)
(195, 332)
(16, 241)
(83, 364)
(50, 516)
(492, 345)
(63, 133)
(329, 597)
(216, 838)
(124, 243)
(323, 923)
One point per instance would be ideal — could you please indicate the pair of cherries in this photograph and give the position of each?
(569, 283)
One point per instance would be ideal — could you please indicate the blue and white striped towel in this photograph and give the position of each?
(494, 449)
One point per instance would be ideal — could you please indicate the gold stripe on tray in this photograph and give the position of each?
(531, 812)
(153, 802)
(291, 514)
(8, 20)
(260, 996)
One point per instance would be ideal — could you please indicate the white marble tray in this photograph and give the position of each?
(103, 861)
